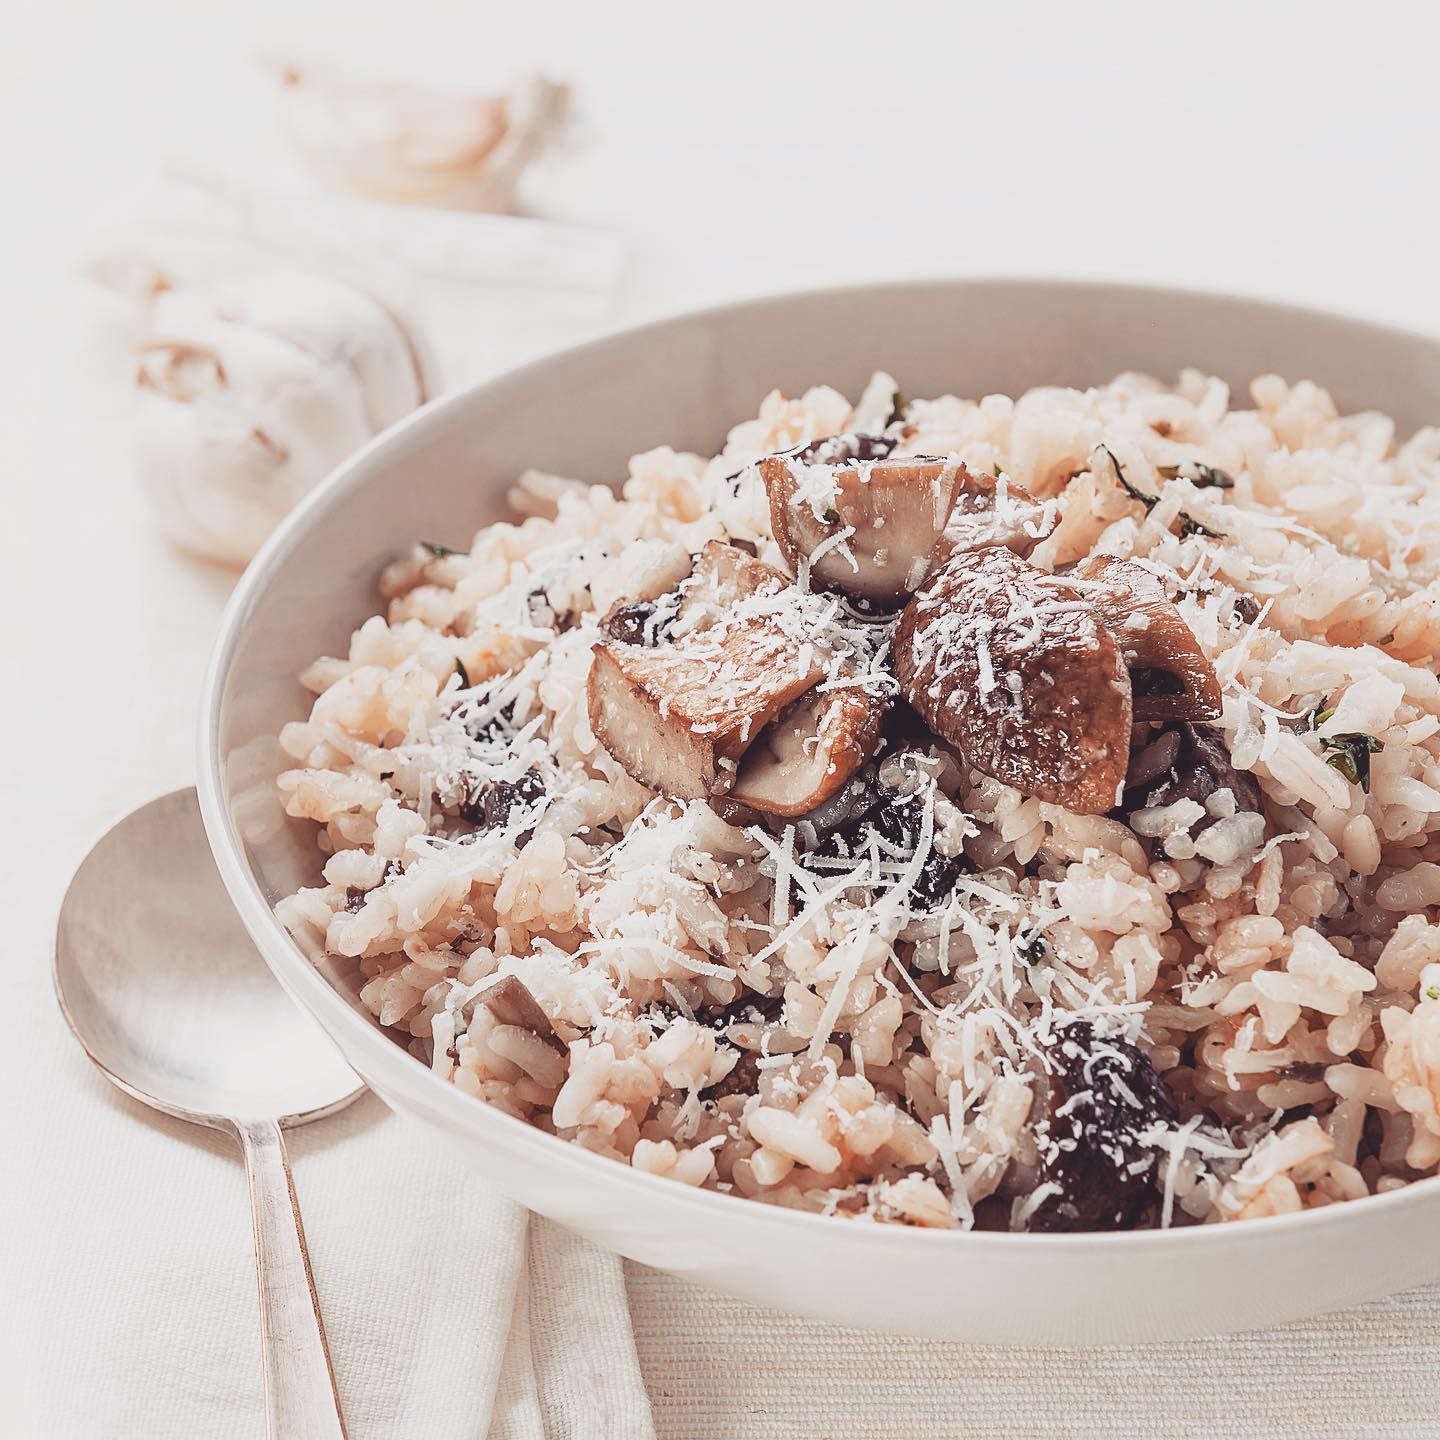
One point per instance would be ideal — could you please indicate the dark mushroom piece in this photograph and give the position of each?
(1152, 754)
(1015, 670)
(1171, 677)
(684, 715)
(869, 810)
(754, 1012)
(872, 525)
(1186, 762)
(509, 1000)
(490, 803)
(1105, 1099)
(743, 1078)
(643, 622)
(856, 799)
(1246, 609)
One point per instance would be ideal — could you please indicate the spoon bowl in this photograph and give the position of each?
(166, 992)
(167, 995)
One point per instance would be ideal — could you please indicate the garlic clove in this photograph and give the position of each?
(411, 145)
(248, 394)
(338, 323)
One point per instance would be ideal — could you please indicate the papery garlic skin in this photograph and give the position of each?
(409, 145)
(252, 392)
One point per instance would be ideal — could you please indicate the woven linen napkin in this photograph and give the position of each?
(716, 1366)
(452, 1314)
(443, 1320)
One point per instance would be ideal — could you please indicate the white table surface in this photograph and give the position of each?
(1288, 150)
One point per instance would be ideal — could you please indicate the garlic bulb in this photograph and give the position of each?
(252, 391)
(418, 147)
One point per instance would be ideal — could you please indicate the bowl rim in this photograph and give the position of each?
(465, 1113)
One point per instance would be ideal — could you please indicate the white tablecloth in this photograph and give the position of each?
(1287, 149)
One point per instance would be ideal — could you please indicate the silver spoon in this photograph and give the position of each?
(167, 995)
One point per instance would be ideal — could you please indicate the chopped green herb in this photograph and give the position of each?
(1148, 501)
(1203, 477)
(1352, 757)
(1188, 524)
(1191, 526)
(1320, 714)
(1432, 992)
(1031, 948)
(463, 673)
(1388, 639)
(439, 551)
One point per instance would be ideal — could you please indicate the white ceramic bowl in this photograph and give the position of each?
(443, 472)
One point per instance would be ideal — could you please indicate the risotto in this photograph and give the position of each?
(1001, 813)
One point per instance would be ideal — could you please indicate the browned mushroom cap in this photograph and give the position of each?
(723, 576)
(866, 527)
(681, 710)
(1170, 676)
(511, 1003)
(809, 751)
(874, 525)
(991, 511)
(720, 576)
(678, 717)
(1016, 671)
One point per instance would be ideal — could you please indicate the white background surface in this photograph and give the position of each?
(1283, 149)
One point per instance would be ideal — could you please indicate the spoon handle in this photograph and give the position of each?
(301, 1402)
